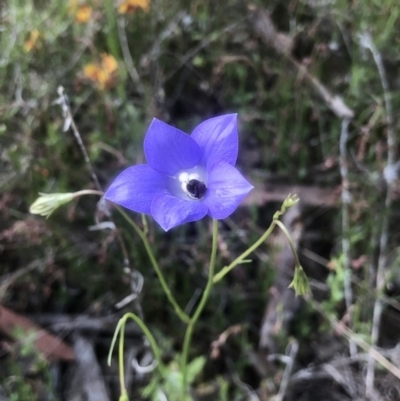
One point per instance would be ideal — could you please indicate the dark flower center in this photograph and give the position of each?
(196, 189)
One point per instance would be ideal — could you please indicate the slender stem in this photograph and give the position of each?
(112, 37)
(152, 341)
(225, 270)
(88, 192)
(367, 41)
(123, 40)
(121, 356)
(69, 118)
(121, 329)
(69, 121)
(349, 334)
(182, 315)
(199, 309)
(346, 248)
(289, 238)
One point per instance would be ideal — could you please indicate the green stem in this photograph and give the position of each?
(121, 357)
(226, 269)
(88, 192)
(182, 315)
(121, 331)
(289, 238)
(112, 40)
(199, 309)
(112, 36)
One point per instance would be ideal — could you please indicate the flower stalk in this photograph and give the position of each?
(120, 330)
(199, 309)
(290, 201)
(181, 314)
(300, 285)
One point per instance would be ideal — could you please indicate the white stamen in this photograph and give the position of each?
(179, 182)
(183, 177)
(194, 176)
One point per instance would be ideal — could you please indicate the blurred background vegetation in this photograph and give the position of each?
(316, 86)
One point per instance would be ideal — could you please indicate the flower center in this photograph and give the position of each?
(192, 184)
(196, 189)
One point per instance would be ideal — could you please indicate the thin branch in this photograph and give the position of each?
(350, 335)
(251, 395)
(264, 27)
(9, 279)
(294, 348)
(70, 123)
(346, 199)
(367, 42)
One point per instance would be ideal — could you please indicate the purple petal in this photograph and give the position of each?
(225, 190)
(136, 187)
(169, 149)
(218, 139)
(170, 211)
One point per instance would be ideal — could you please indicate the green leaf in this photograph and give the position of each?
(158, 395)
(173, 384)
(194, 368)
(152, 388)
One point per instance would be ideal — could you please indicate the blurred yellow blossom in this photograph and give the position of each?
(103, 73)
(83, 14)
(31, 42)
(81, 11)
(130, 6)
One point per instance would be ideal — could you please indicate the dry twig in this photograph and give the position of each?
(294, 348)
(70, 123)
(367, 42)
(9, 279)
(88, 373)
(350, 335)
(346, 200)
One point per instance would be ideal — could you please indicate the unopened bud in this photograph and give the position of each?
(46, 204)
(300, 282)
(290, 201)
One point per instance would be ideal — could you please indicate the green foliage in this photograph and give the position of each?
(335, 283)
(170, 385)
(20, 383)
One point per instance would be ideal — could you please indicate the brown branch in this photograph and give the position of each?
(265, 29)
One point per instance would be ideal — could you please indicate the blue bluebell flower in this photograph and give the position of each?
(187, 177)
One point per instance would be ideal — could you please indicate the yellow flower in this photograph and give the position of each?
(108, 63)
(83, 14)
(130, 6)
(81, 11)
(31, 43)
(103, 73)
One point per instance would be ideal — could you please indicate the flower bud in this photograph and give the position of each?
(300, 282)
(46, 204)
(290, 201)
